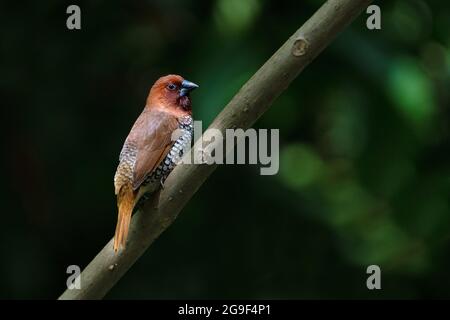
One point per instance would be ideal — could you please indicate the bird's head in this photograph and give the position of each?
(171, 91)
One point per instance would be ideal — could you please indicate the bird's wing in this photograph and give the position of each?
(151, 134)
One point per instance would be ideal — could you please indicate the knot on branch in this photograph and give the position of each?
(300, 47)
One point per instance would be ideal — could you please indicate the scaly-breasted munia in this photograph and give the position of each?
(150, 152)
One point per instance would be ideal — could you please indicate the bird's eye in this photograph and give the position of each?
(171, 86)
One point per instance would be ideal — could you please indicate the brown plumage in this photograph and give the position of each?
(148, 147)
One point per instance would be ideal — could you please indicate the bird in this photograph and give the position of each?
(157, 141)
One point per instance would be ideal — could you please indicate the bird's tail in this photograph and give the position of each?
(125, 204)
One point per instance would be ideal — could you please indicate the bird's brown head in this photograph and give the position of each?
(171, 91)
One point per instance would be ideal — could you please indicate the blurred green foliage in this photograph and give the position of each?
(364, 160)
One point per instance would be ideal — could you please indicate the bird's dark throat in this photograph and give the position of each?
(185, 102)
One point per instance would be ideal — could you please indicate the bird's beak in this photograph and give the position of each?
(186, 87)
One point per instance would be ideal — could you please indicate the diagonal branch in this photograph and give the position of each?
(252, 100)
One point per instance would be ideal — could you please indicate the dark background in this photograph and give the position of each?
(364, 132)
